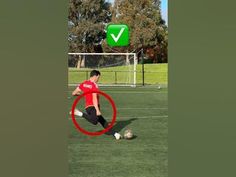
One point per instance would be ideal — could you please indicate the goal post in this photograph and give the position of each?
(117, 69)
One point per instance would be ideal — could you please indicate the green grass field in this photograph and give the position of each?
(144, 110)
(155, 74)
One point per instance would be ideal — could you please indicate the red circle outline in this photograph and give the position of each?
(99, 132)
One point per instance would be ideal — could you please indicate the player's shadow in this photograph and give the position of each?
(120, 125)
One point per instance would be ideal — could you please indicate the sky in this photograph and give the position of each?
(164, 9)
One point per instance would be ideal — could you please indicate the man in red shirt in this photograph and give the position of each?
(92, 106)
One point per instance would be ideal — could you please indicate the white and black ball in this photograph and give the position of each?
(128, 134)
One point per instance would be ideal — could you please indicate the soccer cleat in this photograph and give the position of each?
(117, 136)
(77, 113)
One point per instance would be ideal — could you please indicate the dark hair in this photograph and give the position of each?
(94, 73)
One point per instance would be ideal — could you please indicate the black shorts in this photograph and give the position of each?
(92, 114)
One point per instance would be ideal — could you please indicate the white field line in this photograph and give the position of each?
(144, 117)
(130, 92)
(130, 117)
(137, 108)
(135, 92)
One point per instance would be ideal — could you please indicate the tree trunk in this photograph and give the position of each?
(78, 62)
(81, 62)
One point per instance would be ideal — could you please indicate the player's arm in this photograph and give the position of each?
(95, 103)
(76, 92)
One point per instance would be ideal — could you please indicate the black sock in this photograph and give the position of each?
(104, 123)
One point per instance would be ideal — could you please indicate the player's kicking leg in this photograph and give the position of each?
(92, 117)
(104, 123)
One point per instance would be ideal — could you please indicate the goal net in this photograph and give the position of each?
(117, 69)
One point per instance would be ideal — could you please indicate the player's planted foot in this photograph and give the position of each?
(77, 113)
(117, 136)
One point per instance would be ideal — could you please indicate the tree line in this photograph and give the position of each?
(88, 19)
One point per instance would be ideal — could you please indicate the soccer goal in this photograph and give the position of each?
(117, 69)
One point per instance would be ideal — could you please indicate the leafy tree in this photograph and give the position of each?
(87, 21)
(89, 18)
(147, 28)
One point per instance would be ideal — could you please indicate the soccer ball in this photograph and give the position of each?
(128, 134)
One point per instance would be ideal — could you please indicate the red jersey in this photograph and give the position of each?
(89, 86)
